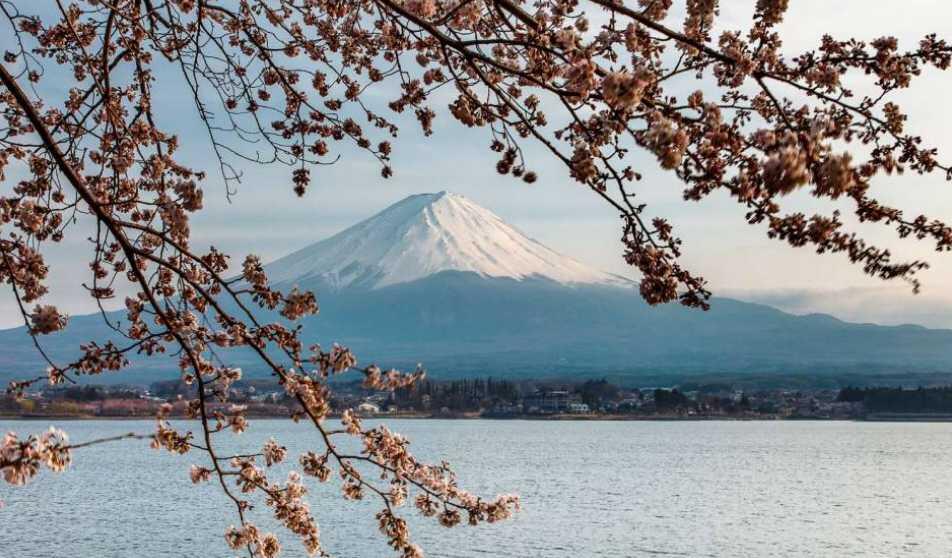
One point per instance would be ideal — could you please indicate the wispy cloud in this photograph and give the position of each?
(878, 305)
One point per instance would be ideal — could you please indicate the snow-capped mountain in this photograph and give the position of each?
(438, 280)
(427, 234)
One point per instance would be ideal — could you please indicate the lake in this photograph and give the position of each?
(605, 489)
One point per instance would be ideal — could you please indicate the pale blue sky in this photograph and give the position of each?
(738, 260)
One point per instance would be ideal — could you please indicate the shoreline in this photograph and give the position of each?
(545, 418)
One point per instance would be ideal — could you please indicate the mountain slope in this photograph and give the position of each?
(460, 323)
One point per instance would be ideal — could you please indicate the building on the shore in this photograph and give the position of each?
(579, 408)
(368, 408)
(552, 401)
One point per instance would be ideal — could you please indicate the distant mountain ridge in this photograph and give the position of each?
(438, 280)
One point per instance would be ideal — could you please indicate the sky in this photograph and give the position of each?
(737, 259)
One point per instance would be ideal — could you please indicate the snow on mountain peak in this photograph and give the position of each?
(426, 234)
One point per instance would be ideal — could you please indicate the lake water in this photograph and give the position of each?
(605, 489)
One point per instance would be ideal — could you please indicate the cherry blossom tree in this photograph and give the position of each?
(297, 83)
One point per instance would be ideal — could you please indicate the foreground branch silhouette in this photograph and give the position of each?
(294, 83)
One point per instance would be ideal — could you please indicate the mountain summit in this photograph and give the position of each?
(426, 234)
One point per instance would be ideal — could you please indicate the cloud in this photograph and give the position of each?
(878, 305)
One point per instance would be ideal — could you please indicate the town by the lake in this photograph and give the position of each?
(501, 399)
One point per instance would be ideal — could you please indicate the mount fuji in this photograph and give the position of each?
(427, 234)
(439, 280)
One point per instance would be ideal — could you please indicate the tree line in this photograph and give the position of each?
(900, 400)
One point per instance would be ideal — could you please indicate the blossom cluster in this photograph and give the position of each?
(20, 460)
